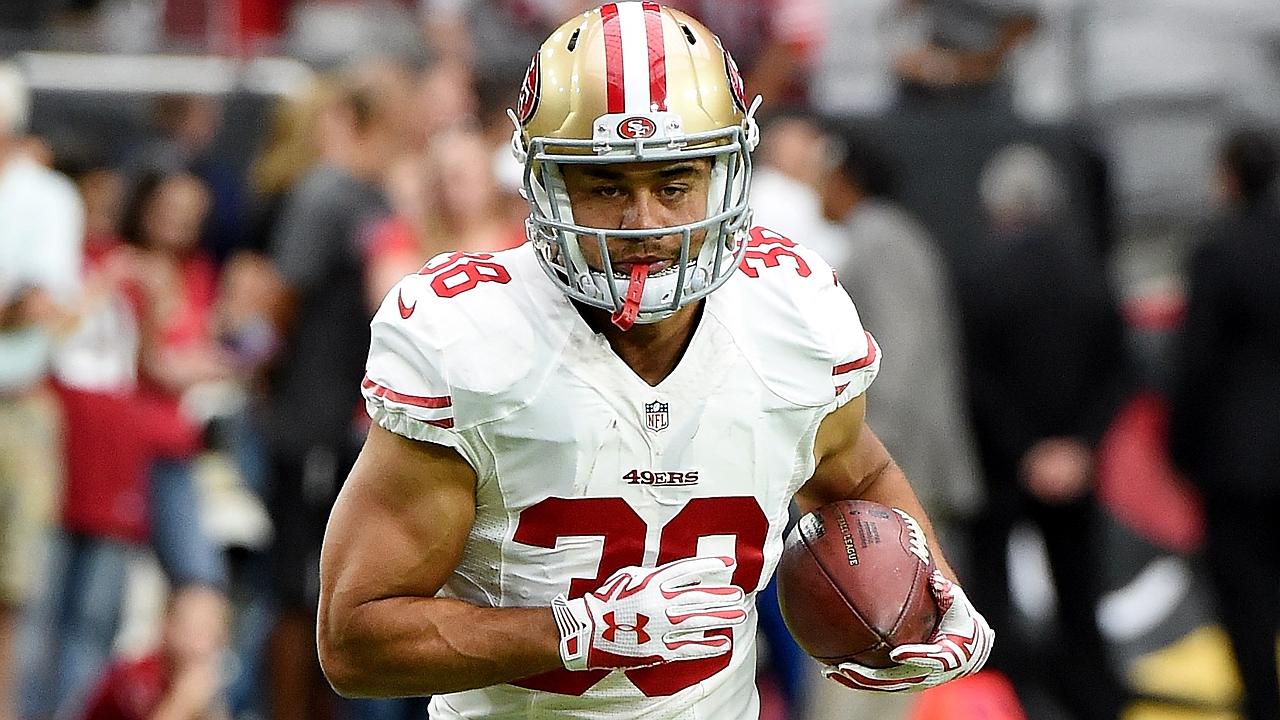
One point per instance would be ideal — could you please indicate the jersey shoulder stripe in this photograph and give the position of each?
(861, 362)
(857, 373)
(444, 419)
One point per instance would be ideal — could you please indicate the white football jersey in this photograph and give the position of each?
(584, 468)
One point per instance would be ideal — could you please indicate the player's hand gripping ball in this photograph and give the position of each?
(859, 592)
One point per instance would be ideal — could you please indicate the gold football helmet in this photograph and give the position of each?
(635, 82)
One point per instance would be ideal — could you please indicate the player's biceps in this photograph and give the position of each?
(837, 477)
(839, 431)
(362, 555)
(866, 459)
(382, 545)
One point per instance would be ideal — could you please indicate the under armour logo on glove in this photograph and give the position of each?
(612, 626)
(646, 616)
(959, 647)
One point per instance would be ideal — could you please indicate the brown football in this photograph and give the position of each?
(849, 586)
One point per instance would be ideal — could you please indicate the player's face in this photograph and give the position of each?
(639, 196)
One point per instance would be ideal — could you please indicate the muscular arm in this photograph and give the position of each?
(853, 464)
(396, 533)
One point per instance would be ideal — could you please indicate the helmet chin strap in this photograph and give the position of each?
(626, 315)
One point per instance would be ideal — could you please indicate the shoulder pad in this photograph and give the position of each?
(787, 310)
(468, 339)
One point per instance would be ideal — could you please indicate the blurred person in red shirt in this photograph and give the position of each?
(115, 433)
(174, 300)
(178, 286)
(171, 289)
(128, 480)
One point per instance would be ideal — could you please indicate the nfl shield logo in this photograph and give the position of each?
(655, 416)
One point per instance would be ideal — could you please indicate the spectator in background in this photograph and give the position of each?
(113, 437)
(493, 39)
(189, 126)
(444, 97)
(1225, 421)
(443, 103)
(967, 42)
(1044, 358)
(958, 82)
(459, 208)
(179, 285)
(897, 279)
(795, 155)
(320, 312)
(175, 681)
(886, 262)
(947, 124)
(462, 196)
(41, 235)
(775, 43)
(175, 298)
(289, 150)
(130, 479)
(129, 472)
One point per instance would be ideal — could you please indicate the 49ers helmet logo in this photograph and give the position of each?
(637, 127)
(530, 91)
(735, 79)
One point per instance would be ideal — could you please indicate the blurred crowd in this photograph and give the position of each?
(183, 325)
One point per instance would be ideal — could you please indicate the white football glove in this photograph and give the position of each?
(647, 616)
(959, 647)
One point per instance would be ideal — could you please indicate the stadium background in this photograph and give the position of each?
(1132, 98)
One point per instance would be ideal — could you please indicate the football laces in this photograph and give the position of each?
(916, 540)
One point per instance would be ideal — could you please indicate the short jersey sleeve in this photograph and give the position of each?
(854, 376)
(406, 384)
(855, 356)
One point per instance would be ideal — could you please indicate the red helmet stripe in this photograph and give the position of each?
(616, 95)
(657, 55)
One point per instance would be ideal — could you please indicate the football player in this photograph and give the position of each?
(585, 448)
